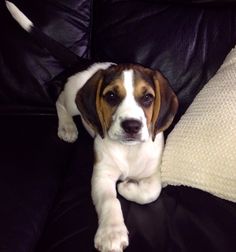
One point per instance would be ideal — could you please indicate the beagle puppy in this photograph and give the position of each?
(126, 108)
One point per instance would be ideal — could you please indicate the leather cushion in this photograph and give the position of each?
(25, 65)
(32, 165)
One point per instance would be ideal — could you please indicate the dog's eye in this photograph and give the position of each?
(147, 100)
(112, 98)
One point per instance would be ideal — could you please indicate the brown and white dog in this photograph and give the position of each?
(126, 108)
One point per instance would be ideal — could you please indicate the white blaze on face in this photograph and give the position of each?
(128, 109)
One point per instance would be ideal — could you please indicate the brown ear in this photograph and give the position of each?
(165, 105)
(88, 100)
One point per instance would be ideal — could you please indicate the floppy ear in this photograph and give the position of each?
(165, 104)
(87, 101)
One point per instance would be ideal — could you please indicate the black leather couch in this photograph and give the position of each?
(45, 182)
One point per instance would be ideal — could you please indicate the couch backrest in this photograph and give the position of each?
(25, 66)
(187, 42)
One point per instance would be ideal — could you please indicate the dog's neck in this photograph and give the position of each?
(130, 160)
(120, 148)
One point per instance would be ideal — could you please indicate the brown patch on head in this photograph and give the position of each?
(144, 95)
(168, 103)
(109, 100)
(86, 102)
(154, 94)
(98, 99)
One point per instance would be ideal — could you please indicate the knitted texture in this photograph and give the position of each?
(201, 150)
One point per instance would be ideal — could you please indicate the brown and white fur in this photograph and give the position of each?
(125, 108)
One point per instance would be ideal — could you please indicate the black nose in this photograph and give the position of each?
(131, 126)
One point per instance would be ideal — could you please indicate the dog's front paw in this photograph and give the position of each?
(111, 238)
(129, 190)
(142, 192)
(68, 132)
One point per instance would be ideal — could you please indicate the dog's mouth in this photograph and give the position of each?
(127, 138)
(131, 139)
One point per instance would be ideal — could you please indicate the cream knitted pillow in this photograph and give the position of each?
(201, 150)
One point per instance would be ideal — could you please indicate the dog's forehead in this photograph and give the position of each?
(127, 73)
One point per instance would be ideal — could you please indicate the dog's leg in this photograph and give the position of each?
(143, 191)
(67, 129)
(112, 234)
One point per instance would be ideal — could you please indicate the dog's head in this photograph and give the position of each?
(127, 103)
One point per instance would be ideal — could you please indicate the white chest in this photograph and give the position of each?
(131, 161)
